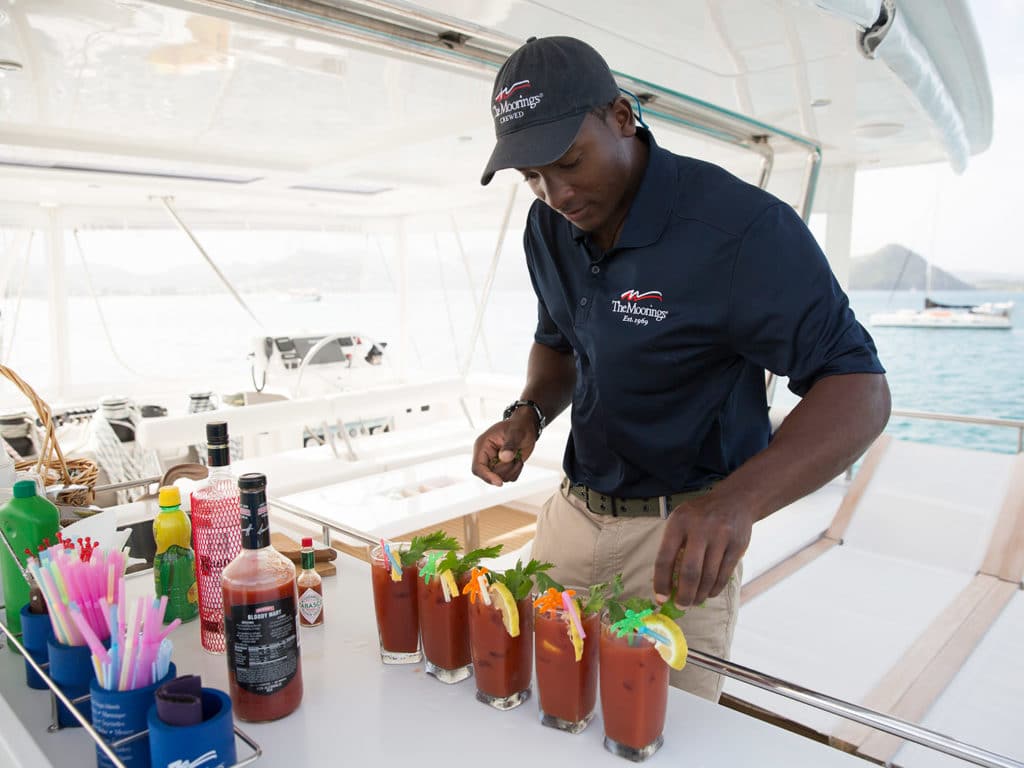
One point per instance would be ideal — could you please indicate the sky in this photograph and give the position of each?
(966, 223)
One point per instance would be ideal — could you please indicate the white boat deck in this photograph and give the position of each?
(885, 617)
(356, 711)
(982, 704)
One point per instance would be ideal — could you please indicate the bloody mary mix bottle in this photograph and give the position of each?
(261, 617)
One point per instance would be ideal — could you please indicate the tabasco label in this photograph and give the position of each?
(311, 606)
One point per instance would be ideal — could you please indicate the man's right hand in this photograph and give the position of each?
(500, 452)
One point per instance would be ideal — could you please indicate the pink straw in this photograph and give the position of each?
(570, 608)
(90, 637)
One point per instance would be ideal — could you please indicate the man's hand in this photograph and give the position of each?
(500, 452)
(704, 539)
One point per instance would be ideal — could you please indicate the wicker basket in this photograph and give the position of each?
(51, 464)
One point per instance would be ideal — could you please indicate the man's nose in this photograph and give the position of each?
(558, 194)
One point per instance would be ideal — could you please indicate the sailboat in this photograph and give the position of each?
(987, 315)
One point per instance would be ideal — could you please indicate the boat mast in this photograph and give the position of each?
(60, 348)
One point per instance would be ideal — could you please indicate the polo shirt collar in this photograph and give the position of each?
(650, 210)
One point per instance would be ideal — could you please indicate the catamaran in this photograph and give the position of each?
(214, 128)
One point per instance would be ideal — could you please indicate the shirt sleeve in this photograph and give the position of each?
(787, 311)
(547, 332)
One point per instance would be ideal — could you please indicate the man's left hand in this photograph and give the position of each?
(703, 542)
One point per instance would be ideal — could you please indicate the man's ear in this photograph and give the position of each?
(622, 114)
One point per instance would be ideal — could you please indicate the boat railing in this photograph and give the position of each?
(987, 421)
(847, 710)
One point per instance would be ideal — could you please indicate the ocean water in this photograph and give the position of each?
(169, 345)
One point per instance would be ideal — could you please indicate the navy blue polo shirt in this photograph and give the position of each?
(711, 282)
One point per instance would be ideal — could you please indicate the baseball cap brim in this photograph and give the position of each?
(534, 146)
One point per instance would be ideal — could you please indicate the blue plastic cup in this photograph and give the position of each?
(210, 744)
(71, 669)
(36, 631)
(119, 714)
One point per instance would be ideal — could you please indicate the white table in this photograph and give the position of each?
(392, 503)
(355, 711)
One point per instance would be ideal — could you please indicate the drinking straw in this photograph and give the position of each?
(128, 659)
(58, 612)
(485, 590)
(51, 600)
(163, 659)
(168, 629)
(396, 566)
(656, 636)
(444, 591)
(98, 651)
(574, 616)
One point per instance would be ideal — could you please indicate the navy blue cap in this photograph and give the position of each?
(540, 98)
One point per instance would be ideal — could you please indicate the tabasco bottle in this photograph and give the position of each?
(261, 616)
(311, 588)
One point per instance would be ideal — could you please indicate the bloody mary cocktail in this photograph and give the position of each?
(444, 628)
(502, 664)
(634, 694)
(396, 607)
(567, 688)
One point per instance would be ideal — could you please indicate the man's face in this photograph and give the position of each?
(588, 183)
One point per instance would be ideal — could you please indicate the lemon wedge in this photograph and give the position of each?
(507, 605)
(577, 641)
(675, 650)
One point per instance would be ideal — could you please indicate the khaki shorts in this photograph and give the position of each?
(589, 549)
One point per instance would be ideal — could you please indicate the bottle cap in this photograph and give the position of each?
(307, 541)
(217, 433)
(24, 489)
(252, 481)
(170, 496)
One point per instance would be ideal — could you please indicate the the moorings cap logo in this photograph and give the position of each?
(508, 90)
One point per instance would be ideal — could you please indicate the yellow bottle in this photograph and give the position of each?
(174, 566)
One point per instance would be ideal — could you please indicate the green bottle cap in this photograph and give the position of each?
(24, 489)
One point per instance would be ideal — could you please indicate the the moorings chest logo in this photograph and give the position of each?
(628, 305)
(511, 103)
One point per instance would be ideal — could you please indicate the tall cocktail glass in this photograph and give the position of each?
(634, 694)
(396, 607)
(566, 687)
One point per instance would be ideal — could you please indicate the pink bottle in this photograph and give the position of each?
(216, 536)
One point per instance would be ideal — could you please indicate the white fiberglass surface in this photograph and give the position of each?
(791, 529)
(837, 626)
(981, 706)
(933, 505)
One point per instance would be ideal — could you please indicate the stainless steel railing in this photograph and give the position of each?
(986, 421)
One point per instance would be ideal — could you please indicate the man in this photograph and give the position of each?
(666, 287)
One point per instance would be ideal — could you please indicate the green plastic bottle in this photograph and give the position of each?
(26, 520)
(174, 565)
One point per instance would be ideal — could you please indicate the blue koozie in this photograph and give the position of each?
(210, 744)
(71, 669)
(36, 631)
(119, 714)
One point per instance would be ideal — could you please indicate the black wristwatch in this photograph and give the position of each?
(541, 421)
